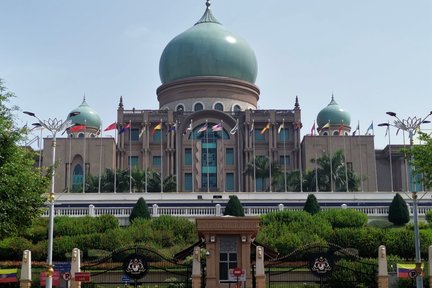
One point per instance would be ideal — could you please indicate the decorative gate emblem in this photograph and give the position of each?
(321, 264)
(135, 266)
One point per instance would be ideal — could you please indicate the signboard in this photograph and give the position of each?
(237, 274)
(82, 276)
(55, 278)
(125, 279)
(62, 267)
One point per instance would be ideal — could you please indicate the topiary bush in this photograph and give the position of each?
(311, 206)
(343, 218)
(234, 207)
(429, 217)
(398, 211)
(140, 210)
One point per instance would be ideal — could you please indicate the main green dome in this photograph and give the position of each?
(87, 116)
(207, 49)
(333, 113)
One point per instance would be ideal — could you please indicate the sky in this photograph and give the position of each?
(374, 56)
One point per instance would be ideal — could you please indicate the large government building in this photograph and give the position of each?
(208, 130)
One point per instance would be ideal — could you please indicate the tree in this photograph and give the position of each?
(261, 169)
(22, 186)
(398, 211)
(140, 210)
(326, 176)
(234, 207)
(311, 206)
(421, 159)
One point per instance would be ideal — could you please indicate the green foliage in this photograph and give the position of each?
(429, 217)
(383, 224)
(345, 274)
(398, 211)
(13, 247)
(140, 210)
(365, 239)
(284, 231)
(400, 242)
(311, 206)
(261, 169)
(21, 184)
(234, 207)
(322, 175)
(183, 229)
(67, 226)
(341, 218)
(421, 159)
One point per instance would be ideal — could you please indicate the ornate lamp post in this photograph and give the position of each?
(53, 125)
(412, 125)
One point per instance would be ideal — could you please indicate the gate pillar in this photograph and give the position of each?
(383, 281)
(75, 267)
(26, 280)
(259, 267)
(228, 243)
(196, 268)
(430, 265)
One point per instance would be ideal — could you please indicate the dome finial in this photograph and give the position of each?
(84, 98)
(332, 97)
(208, 16)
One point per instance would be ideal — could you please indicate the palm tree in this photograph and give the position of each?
(262, 170)
(169, 183)
(337, 177)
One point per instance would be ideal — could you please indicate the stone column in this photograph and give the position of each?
(383, 281)
(259, 267)
(75, 267)
(430, 265)
(26, 280)
(196, 268)
(211, 262)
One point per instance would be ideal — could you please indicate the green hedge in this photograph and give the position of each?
(344, 218)
(67, 226)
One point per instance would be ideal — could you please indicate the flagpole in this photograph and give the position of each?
(207, 158)
(115, 159)
(390, 156)
(193, 157)
(316, 163)
(223, 158)
(177, 145)
(100, 160)
(40, 151)
(345, 161)
(130, 157)
(85, 142)
(70, 164)
(300, 156)
(254, 156)
(145, 156)
(330, 156)
(161, 151)
(270, 155)
(284, 149)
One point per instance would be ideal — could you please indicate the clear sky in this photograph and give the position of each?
(373, 55)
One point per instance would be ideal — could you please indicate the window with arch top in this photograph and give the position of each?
(198, 107)
(219, 107)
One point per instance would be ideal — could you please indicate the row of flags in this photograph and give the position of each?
(218, 127)
(369, 130)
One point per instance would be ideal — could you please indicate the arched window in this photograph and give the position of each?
(219, 106)
(81, 135)
(325, 133)
(236, 108)
(180, 107)
(335, 133)
(198, 107)
(77, 178)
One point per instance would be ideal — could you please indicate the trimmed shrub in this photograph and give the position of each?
(383, 224)
(184, 230)
(311, 206)
(234, 207)
(398, 211)
(343, 218)
(140, 210)
(67, 226)
(13, 247)
(400, 242)
(429, 217)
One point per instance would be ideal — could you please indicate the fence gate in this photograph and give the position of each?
(321, 265)
(136, 266)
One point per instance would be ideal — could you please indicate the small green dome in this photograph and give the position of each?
(333, 113)
(86, 116)
(207, 49)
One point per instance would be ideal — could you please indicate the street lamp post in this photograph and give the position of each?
(411, 125)
(53, 125)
